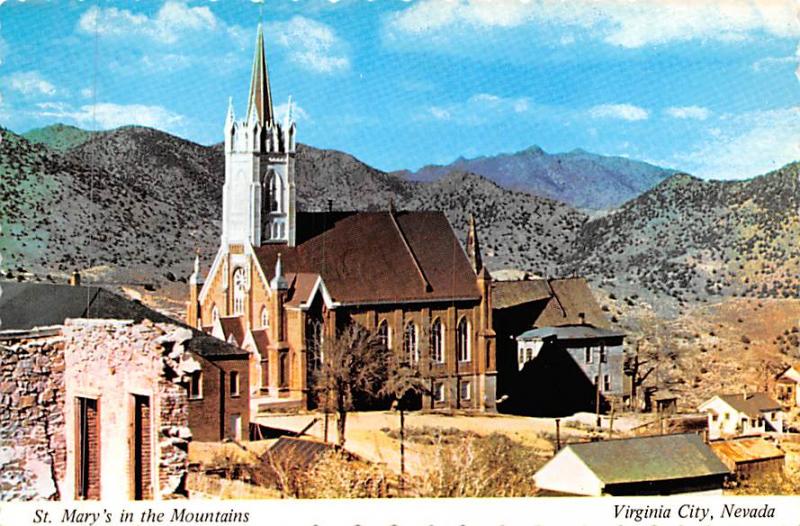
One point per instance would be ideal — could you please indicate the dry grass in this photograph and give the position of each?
(203, 486)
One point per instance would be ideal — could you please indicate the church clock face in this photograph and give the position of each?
(239, 281)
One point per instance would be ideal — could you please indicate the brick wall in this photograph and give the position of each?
(32, 442)
(210, 416)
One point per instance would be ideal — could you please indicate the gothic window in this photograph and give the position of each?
(239, 290)
(274, 189)
(264, 317)
(462, 340)
(385, 334)
(437, 341)
(410, 344)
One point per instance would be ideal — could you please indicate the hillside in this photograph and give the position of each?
(135, 204)
(60, 137)
(579, 178)
(690, 240)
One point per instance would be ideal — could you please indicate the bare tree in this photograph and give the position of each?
(404, 384)
(351, 365)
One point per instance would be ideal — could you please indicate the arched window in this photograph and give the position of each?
(214, 314)
(462, 340)
(385, 334)
(274, 189)
(239, 290)
(264, 317)
(410, 344)
(437, 341)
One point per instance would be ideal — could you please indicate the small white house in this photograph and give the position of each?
(787, 387)
(679, 464)
(743, 414)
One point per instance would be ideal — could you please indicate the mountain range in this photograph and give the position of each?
(579, 178)
(134, 204)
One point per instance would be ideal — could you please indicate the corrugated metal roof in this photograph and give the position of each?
(747, 449)
(298, 452)
(578, 332)
(643, 459)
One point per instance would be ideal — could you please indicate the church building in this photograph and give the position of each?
(283, 279)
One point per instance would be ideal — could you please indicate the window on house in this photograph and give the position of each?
(596, 380)
(462, 340)
(587, 355)
(529, 354)
(772, 416)
(410, 344)
(437, 341)
(602, 354)
(714, 417)
(87, 449)
(466, 390)
(385, 334)
(141, 449)
(264, 317)
(214, 314)
(234, 383)
(438, 392)
(606, 382)
(239, 290)
(726, 416)
(196, 385)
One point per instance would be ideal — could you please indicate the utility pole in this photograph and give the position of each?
(597, 385)
(558, 435)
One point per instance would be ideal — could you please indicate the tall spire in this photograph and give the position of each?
(473, 250)
(259, 105)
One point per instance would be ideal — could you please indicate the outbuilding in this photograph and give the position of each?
(658, 465)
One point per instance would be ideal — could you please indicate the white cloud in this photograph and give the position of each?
(87, 93)
(688, 112)
(312, 45)
(768, 63)
(617, 22)
(30, 83)
(479, 109)
(746, 145)
(298, 113)
(626, 112)
(106, 115)
(172, 21)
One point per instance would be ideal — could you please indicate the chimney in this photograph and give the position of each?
(744, 393)
(582, 317)
(330, 205)
(75, 279)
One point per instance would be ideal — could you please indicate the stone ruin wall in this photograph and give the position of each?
(33, 453)
(110, 360)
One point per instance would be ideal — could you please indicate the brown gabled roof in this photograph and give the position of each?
(233, 325)
(571, 297)
(751, 404)
(560, 301)
(300, 286)
(261, 338)
(746, 450)
(507, 294)
(367, 257)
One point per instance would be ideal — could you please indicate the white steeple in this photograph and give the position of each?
(259, 193)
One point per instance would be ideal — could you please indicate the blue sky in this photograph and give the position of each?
(707, 86)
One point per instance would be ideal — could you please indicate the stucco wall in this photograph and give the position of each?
(111, 361)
